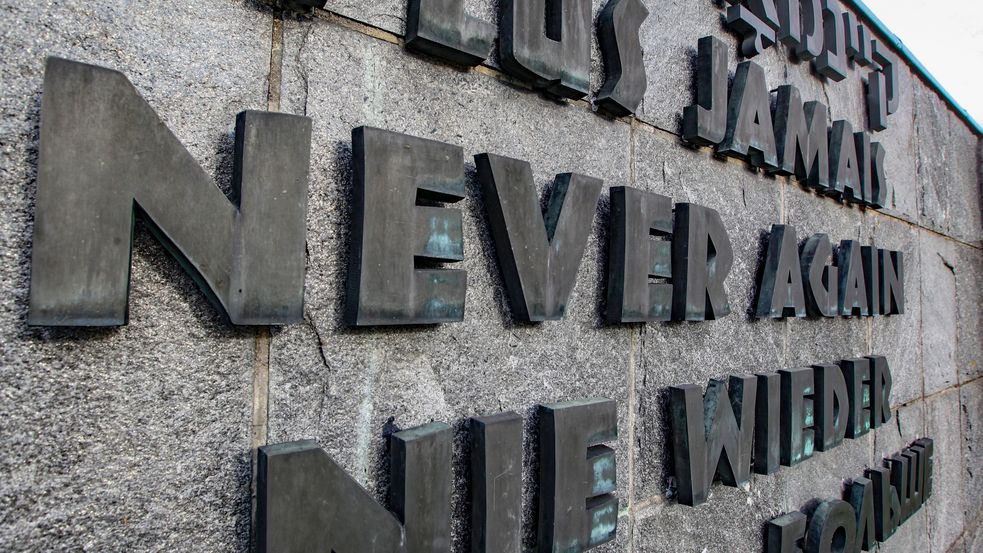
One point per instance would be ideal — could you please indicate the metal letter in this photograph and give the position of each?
(891, 269)
(701, 259)
(801, 134)
(539, 253)
(833, 519)
(853, 289)
(634, 258)
(421, 486)
(859, 389)
(872, 278)
(441, 28)
(929, 446)
(880, 394)
(812, 42)
(547, 43)
(720, 446)
(496, 483)
(785, 533)
(705, 122)
(390, 231)
(889, 66)
(306, 502)
(780, 293)
(790, 23)
(878, 181)
(844, 167)
(831, 403)
(767, 424)
(864, 163)
(832, 62)
(757, 34)
(750, 133)
(876, 101)
(798, 418)
(625, 80)
(900, 466)
(862, 499)
(105, 155)
(821, 278)
(577, 510)
(887, 506)
(858, 45)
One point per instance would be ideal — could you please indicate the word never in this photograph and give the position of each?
(866, 280)
(766, 421)
(877, 504)
(796, 141)
(306, 502)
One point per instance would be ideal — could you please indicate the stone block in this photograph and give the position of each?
(945, 507)
(939, 313)
(970, 407)
(692, 353)
(934, 155)
(347, 387)
(964, 184)
(969, 326)
(898, 337)
(137, 437)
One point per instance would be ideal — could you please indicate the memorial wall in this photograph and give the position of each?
(433, 276)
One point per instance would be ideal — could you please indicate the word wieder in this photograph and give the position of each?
(796, 140)
(876, 505)
(763, 422)
(306, 502)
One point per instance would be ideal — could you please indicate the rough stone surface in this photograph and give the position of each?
(971, 406)
(945, 508)
(134, 438)
(938, 319)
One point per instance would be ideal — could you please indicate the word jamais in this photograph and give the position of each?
(666, 262)
(876, 505)
(797, 141)
(766, 421)
(306, 502)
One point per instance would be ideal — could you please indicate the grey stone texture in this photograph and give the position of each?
(138, 438)
(135, 438)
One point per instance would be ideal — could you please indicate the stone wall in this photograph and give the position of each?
(141, 437)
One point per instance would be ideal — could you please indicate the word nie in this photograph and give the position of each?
(865, 281)
(835, 161)
(766, 421)
(819, 30)
(877, 504)
(306, 502)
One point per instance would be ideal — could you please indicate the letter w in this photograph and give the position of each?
(105, 155)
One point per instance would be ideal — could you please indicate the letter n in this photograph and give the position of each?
(105, 156)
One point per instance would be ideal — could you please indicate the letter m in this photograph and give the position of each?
(106, 156)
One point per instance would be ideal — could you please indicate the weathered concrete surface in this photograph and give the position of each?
(134, 438)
